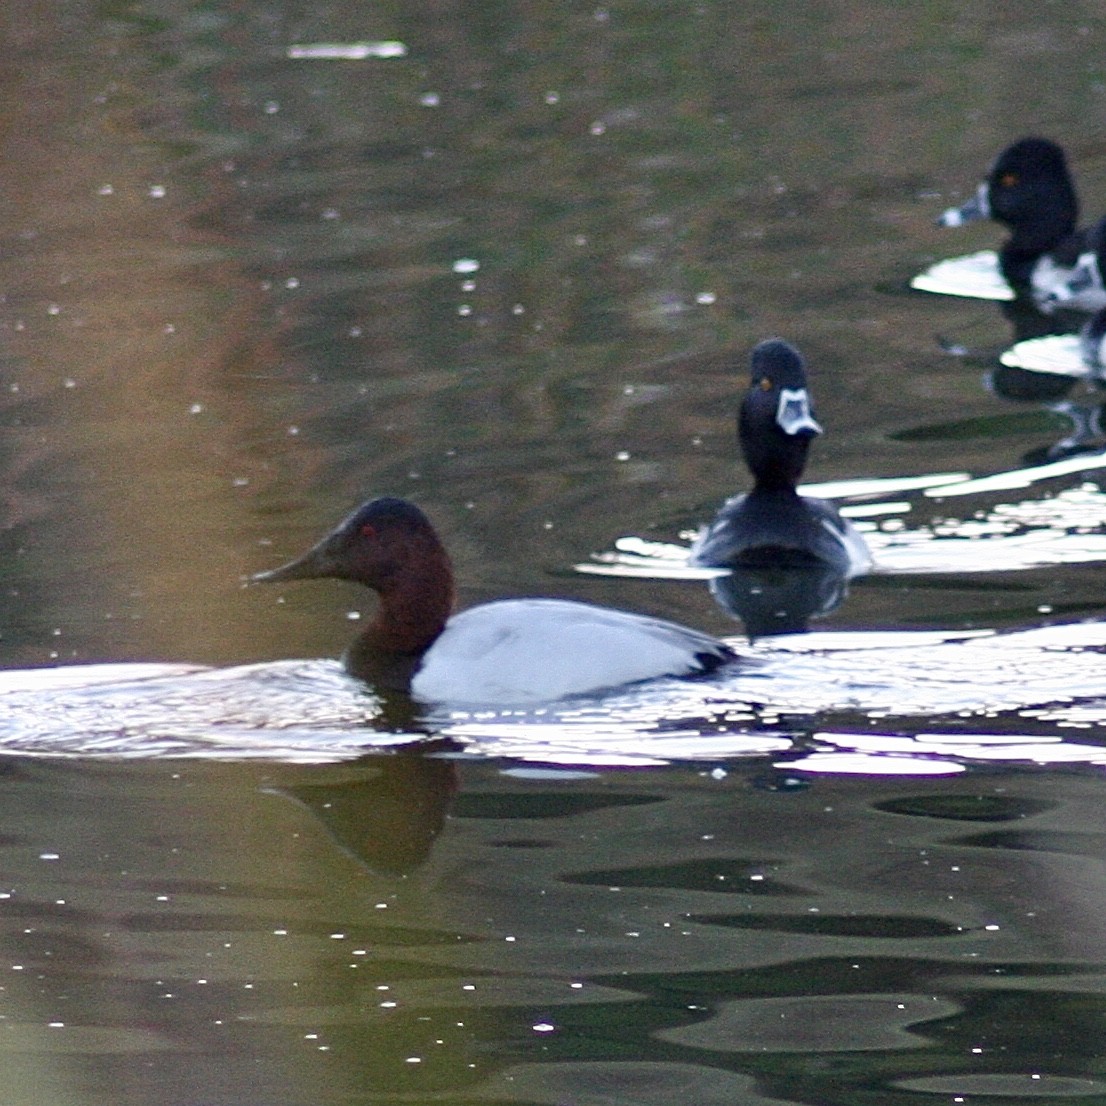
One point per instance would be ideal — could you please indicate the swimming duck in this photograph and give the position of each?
(1030, 191)
(773, 525)
(511, 651)
(1082, 290)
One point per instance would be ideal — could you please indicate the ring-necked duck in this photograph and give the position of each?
(1029, 190)
(511, 651)
(773, 524)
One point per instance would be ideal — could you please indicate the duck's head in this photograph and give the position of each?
(384, 541)
(1029, 190)
(776, 424)
(390, 546)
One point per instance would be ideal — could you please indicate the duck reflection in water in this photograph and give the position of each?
(790, 555)
(1044, 370)
(779, 599)
(389, 818)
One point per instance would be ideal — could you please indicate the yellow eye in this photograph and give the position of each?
(1008, 180)
(765, 384)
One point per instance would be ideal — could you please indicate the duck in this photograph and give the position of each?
(1082, 289)
(505, 652)
(773, 525)
(1029, 190)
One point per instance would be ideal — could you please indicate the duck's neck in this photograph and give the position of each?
(413, 609)
(779, 470)
(775, 459)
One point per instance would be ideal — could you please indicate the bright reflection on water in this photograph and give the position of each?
(1066, 527)
(775, 703)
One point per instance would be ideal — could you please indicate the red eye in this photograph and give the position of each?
(368, 530)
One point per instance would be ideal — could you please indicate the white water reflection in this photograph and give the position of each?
(1058, 354)
(975, 276)
(1067, 527)
(782, 702)
(346, 51)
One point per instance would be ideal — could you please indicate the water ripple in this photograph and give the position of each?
(833, 701)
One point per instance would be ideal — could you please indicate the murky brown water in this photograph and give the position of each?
(514, 271)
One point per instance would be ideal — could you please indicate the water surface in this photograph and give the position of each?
(509, 262)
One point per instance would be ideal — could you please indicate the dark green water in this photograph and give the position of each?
(515, 274)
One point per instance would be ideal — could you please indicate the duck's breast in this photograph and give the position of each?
(789, 529)
(518, 651)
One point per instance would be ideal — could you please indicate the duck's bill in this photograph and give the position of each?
(313, 565)
(793, 413)
(978, 207)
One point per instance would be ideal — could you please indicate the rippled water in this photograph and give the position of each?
(260, 263)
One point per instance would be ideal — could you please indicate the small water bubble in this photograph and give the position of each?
(196, 409)
(330, 213)
(355, 332)
(106, 190)
(271, 107)
(465, 310)
(292, 283)
(156, 191)
(598, 127)
(705, 298)
(552, 97)
(622, 455)
(430, 99)
(466, 265)
(468, 286)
